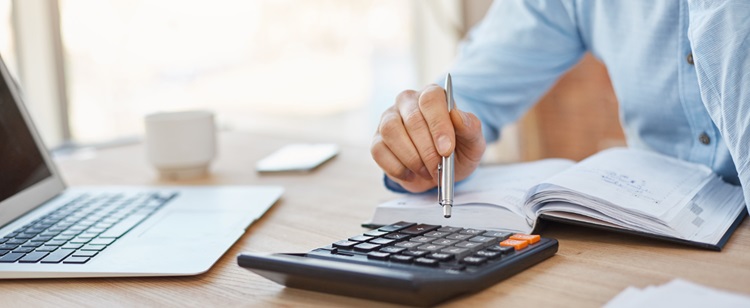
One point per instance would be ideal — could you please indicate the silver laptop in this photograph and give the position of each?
(49, 230)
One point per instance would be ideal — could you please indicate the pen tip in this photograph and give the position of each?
(447, 216)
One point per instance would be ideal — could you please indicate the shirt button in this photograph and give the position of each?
(690, 58)
(703, 138)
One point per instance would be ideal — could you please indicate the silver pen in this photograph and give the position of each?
(445, 169)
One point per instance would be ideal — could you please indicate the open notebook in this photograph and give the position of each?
(621, 189)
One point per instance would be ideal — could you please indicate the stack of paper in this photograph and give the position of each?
(678, 293)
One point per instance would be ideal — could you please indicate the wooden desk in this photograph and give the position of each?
(328, 205)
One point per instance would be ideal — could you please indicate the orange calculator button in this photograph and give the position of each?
(533, 238)
(518, 245)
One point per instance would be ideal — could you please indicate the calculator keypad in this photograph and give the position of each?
(452, 249)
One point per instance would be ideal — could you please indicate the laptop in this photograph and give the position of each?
(49, 230)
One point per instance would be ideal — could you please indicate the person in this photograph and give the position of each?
(680, 71)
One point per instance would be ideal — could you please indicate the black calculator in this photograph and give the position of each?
(406, 262)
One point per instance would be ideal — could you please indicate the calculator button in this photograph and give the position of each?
(450, 229)
(501, 249)
(426, 262)
(420, 229)
(436, 234)
(442, 257)
(365, 247)
(455, 269)
(375, 233)
(397, 226)
(377, 255)
(498, 234)
(457, 252)
(392, 249)
(397, 236)
(468, 244)
(459, 237)
(408, 245)
(415, 253)
(422, 239)
(382, 241)
(401, 258)
(444, 241)
(344, 244)
(431, 247)
(482, 239)
(360, 238)
(488, 254)
(474, 260)
(533, 238)
(472, 231)
(516, 244)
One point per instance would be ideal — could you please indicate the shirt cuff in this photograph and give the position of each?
(393, 186)
(396, 187)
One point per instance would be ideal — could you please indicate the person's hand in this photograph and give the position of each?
(417, 130)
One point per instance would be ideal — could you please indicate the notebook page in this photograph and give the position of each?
(635, 180)
(501, 186)
(506, 185)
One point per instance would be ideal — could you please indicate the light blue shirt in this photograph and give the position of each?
(666, 103)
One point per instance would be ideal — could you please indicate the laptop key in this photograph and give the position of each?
(124, 226)
(25, 236)
(71, 246)
(8, 246)
(16, 241)
(54, 243)
(76, 260)
(23, 249)
(85, 253)
(57, 256)
(32, 244)
(33, 257)
(93, 247)
(46, 248)
(80, 240)
(11, 257)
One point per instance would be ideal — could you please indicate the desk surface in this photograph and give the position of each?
(590, 268)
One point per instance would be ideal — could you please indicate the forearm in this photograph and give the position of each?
(720, 40)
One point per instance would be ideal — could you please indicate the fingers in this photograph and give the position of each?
(433, 105)
(470, 143)
(387, 161)
(467, 126)
(414, 134)
(399, 152)
(419, 133)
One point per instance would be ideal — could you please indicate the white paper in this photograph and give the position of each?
(678, 293)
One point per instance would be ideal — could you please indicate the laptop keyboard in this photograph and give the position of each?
(80, 229)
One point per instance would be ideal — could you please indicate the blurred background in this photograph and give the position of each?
(325, 69)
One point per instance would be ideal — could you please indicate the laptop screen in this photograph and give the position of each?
(21, 163)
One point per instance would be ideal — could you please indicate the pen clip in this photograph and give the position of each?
(440, 188)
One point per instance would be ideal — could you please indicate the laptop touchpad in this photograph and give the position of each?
(193, 224)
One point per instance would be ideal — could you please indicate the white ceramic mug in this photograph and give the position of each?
(181, 144)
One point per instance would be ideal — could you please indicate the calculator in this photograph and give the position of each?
(407, 263)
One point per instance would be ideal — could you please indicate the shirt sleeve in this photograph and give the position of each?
(719, 35)
(514, 56)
